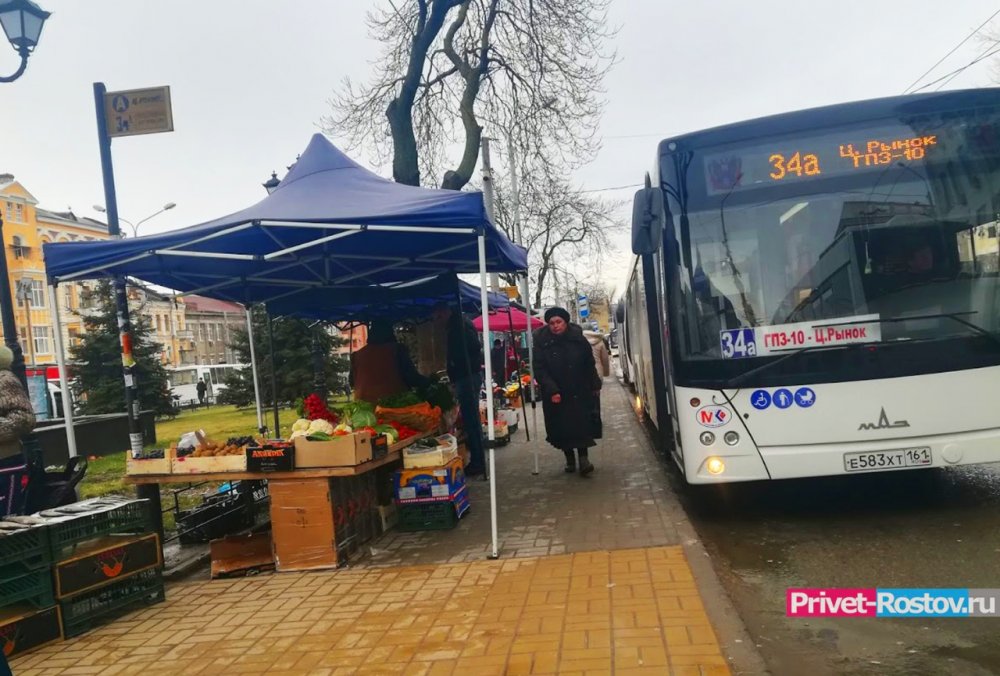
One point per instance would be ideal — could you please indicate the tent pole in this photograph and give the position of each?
(531, 367)
(490, 431)
(274, 375)
(67, 400)
(253, 370)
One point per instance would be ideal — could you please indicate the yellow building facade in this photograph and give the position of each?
(26, 228)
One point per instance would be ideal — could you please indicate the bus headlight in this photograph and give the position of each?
(707, 438)
(732, 438)
(715, 465)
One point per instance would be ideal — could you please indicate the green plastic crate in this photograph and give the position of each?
(427, 516)
(86, 611)
(33, 587)
(24, 550)
(130, 517)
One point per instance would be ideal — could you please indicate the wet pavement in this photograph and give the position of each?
(627, 502)
(597, 575)
(927, 528)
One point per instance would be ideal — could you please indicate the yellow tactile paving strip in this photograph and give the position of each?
(624, 612)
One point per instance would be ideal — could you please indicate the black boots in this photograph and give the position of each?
(585, 465)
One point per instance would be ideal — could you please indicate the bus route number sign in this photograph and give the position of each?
(738, 343)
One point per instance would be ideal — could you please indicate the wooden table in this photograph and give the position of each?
(312, 473)
(148, 485)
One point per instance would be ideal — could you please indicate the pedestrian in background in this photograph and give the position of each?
(464, 359)
(498, 362)
(202, 389)
(602, 363)
(17, 419)
(567, 375)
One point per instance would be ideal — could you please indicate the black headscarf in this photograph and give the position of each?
(556, 312)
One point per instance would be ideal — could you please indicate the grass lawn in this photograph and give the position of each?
(106, 475)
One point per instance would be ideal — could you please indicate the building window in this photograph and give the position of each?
(41, 334)
(214, 331)
(74, 337)
(18, 248)
(33, 290)
(23, 336)
(19, 213)
(68, 297)
(159, 324)
(10, 212)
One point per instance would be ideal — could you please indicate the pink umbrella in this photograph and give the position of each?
(500, 321)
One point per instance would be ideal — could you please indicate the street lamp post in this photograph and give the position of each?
(135, 226)
(22, 22)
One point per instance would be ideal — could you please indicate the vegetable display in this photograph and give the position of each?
(359, 414)
(439, 394)
(401, 400)
(422, 416)
(315, 408)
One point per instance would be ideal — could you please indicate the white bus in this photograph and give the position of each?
(816, 293)
(183, 381)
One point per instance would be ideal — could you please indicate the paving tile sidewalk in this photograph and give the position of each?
(592, 579)
(625, 503)
(626, 612)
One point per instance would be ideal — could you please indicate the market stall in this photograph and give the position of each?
(330, 227)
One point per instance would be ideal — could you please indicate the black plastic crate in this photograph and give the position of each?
(129, 517)
(33, 587)
(91, 609)
(427, 516)
(26, 549)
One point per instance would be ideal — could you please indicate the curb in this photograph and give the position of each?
(734, 639)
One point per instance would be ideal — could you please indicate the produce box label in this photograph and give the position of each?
(19, 634)
(271, 459)
(107, 560)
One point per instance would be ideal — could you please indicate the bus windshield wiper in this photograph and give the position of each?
(736, 381)
(954, 316)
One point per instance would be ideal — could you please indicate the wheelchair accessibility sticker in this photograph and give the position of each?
(803, 397)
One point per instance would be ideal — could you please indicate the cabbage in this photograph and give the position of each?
(320, 426)
(296, 434)
(300, 425)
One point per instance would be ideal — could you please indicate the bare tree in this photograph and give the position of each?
(532, 70)
(563, 227)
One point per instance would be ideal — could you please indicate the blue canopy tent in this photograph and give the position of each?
(404, 300)
(330, 225)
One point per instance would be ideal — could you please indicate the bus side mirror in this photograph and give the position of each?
(647, 220)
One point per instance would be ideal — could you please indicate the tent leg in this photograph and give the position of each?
(531, 368)
(253, 370)
(490, 431)
(67, 399)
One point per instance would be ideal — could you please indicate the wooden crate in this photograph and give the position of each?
(215, 463)
(150, 466)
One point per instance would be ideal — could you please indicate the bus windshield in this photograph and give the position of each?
(876, 234)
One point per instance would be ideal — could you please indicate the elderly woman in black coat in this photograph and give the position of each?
(564, 368)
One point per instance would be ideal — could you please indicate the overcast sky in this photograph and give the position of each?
(250, 79)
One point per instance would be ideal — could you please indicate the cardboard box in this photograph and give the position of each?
(345, 451)
(100, 562)
(270, 458)
(241, 554)
(417, 455)
(303, 528)
(429, 484)
(24, 628)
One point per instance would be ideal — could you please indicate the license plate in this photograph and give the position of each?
(868, 461)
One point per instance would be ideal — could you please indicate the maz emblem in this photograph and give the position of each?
(883, 423)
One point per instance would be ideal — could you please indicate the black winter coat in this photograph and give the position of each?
(564, 365)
